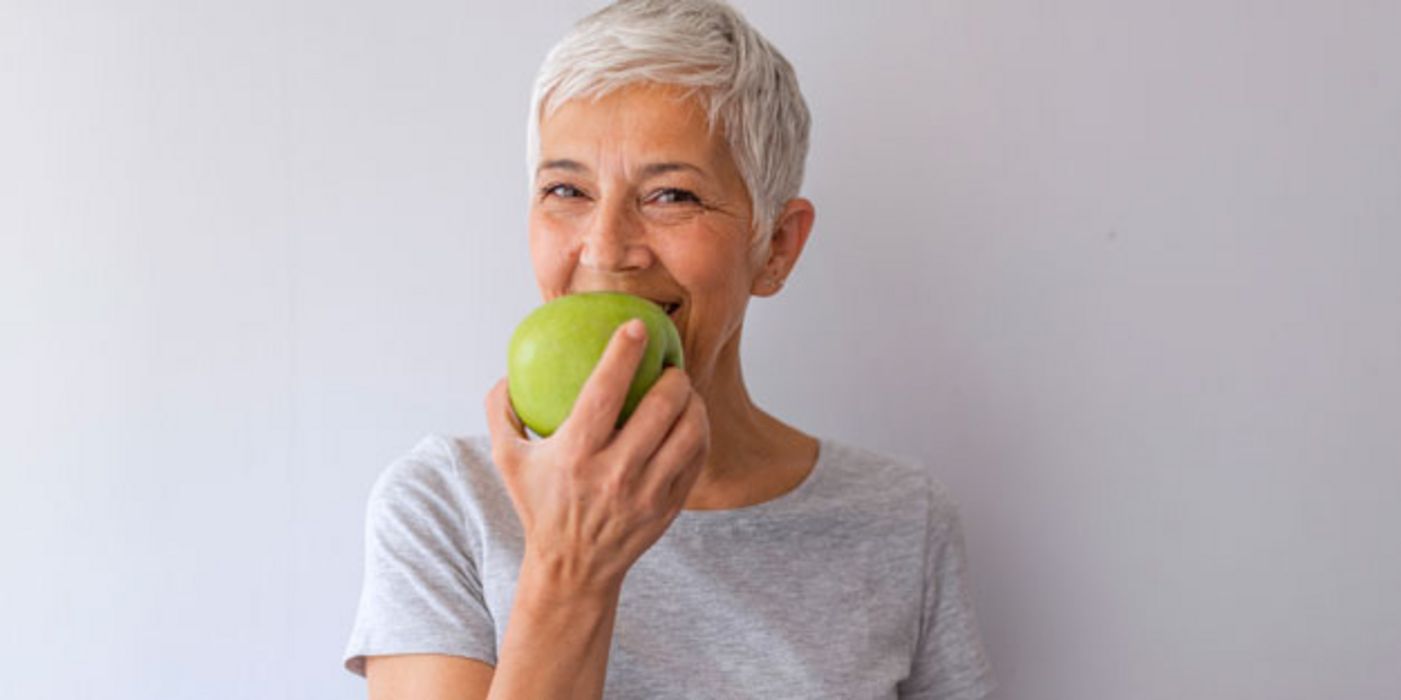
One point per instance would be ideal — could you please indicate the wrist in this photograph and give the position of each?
(556, 580)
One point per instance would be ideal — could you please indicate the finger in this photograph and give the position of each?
(659, 410)
(507, 433)
(595, 412)
(683, 447)
(680, 487)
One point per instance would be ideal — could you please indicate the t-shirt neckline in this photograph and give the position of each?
(782, 502)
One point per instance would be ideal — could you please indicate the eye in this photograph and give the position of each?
(674, 195)
(560, 189)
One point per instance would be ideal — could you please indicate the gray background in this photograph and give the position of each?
(1125, 274)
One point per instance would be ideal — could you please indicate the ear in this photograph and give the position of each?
(785, 244)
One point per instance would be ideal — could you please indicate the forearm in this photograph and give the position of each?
(557, 639)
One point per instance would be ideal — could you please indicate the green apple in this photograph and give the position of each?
(555, 348)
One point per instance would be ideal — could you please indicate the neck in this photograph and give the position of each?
(753, 456)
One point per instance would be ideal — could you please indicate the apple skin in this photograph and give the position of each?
(556, 347)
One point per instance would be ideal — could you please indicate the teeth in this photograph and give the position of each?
(667, 306)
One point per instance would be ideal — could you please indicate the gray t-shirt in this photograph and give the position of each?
(851, 585)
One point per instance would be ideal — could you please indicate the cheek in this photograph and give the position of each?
(717, 269)
(550, 253)
(715, 278)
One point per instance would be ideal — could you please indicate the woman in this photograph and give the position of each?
(706, 549)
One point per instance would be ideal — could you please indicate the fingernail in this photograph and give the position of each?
(635, 329)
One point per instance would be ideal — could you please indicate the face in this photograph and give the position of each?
(634, 193)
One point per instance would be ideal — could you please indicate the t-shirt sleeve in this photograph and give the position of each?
(421, 592)
(950, 661)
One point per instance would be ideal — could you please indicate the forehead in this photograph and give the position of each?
(632, 124)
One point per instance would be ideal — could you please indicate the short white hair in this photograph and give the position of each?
(745, 84)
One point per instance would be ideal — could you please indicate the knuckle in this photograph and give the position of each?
(670, 403)
(615, 487)
(695, 408)
(663, 386)
(685, 429)
(652, 503)
(696, 417)
(674, 375)
(681, 381)
(680, 399)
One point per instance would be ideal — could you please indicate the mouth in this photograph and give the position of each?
(670, 307)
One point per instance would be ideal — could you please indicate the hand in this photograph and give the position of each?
(592, 499)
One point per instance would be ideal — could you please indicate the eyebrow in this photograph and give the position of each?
(655, 169)
(562, 164)
(649, 170)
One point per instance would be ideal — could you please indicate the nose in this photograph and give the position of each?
(614, 240)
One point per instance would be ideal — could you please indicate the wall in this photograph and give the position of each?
(1123, 274)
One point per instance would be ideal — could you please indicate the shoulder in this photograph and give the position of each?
(442, 478)
(878, 478)
(436, 463)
